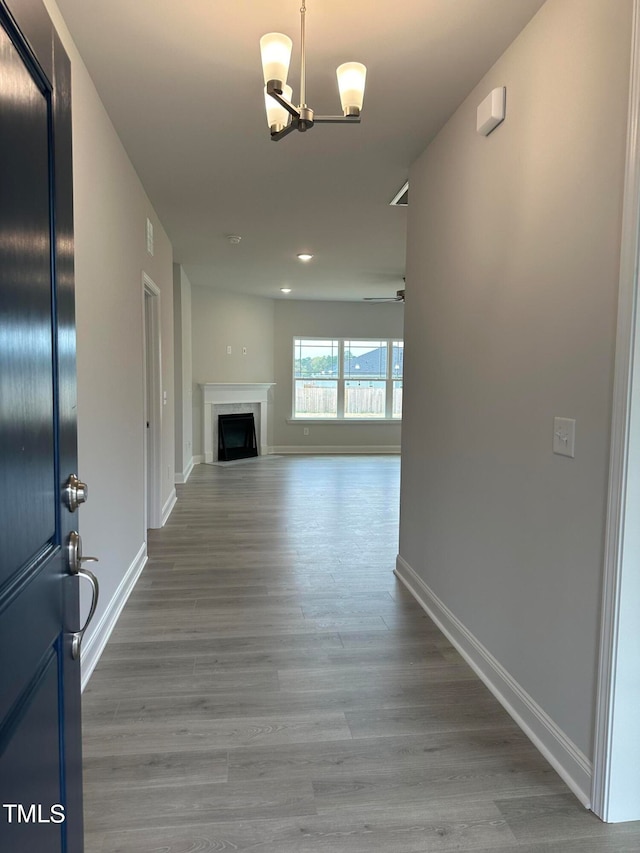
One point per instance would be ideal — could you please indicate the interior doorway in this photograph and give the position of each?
(152, 419)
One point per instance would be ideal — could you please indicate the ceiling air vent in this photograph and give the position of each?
(401, 198)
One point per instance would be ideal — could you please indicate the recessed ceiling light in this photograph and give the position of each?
(285, 290)
(304, 256)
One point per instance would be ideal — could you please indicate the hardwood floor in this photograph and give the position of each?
(271, 687)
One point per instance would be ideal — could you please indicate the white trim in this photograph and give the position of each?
(234, 388)
(198, 460)
(627, 339)
(182, 478)
(152, 437)
(342, 421)
(564, 756)
(168, 506)
(94, 646)
(372, 449)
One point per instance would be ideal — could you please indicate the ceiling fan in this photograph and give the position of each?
(399, 297)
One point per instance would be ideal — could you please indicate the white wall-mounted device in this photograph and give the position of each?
(149, 236)
(491, 111)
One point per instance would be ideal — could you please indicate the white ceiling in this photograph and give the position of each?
(182, 82)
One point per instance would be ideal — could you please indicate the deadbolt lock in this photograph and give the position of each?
(75, 493)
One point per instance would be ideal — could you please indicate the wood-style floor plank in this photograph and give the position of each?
(185, 804)
(271, 687)
(412, 828)
(155, 769)
(450, 751)
(164, 732)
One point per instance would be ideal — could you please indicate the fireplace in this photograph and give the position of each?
(236, 437)
(231, 398)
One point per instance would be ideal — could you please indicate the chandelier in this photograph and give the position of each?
(282, 115)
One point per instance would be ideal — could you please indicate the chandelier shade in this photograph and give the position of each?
(275, 49)
(351, 80)
(277, 115)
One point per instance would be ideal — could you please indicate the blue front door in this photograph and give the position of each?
(40, 753)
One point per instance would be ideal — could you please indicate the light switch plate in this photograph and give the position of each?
(564, 437)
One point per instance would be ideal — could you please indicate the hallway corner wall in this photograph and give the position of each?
(515, 241)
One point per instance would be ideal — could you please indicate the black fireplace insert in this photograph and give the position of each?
(236, 437)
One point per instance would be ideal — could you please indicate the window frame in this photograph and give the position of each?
(340, 379)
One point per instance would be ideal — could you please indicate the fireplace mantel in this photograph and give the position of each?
(224, 393)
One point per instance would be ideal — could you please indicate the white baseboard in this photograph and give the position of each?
(168, 506)
(335, 450)
(97, 640)
(564, 756)
(184, 476)
(198, 460)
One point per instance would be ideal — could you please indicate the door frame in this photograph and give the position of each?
(152, 391)
(615, 792)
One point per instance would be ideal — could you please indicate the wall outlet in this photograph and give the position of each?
(228, 350)
(305, 431)
(564, 437)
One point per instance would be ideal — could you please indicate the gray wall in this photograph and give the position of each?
(221, 320)
(110, 212)
(323, 319)
(512, 268)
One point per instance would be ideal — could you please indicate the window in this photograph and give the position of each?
(341, 378)
(316, 392)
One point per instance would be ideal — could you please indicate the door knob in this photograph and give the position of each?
(74, 553)
(75, 493)
(76, 640)
(75, 561)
